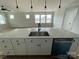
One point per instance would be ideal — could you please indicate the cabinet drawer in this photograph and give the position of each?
(18, 43)
(43, 42)
(38, 50)
(8, 52)
(38, 40)
(5, 44)
(29, 41)
(32, 42)
(33, 50)
(20, 52)
(19, 46)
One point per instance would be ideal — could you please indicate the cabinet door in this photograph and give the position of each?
(5, 44)
(74, 47)
(7, 52)
(33, 46)
(46, 46)
(19, 46)
(39, 46)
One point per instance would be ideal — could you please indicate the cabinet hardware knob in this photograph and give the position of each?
(69, 23)
(18, 43)
(31, 40)
(39, 45)
(5, 46)
(45, 40)
(17, 40)
(2, 40)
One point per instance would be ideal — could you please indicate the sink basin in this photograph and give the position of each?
(39, 33)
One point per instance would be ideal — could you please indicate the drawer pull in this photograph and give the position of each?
(5, 46)
(45, 40)
(31, 41)
(3, 41)
(39, 45)
(18, 43)
(17, 40)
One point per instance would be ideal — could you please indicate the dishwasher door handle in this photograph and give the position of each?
(65, 41)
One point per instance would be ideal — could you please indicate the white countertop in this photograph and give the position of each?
(24, 33)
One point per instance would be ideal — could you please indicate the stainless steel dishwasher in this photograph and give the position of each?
(61, 46)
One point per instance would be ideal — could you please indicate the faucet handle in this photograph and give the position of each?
(39, 29)
(39, 25)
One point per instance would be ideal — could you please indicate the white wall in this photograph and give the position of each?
(71, 19)
(58, 18)
(21, 21)
(75, 27)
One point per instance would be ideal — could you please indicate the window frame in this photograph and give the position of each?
(27, 16)
(45, 21)
(2, 21)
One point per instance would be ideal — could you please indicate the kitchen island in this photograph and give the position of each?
(18, 42)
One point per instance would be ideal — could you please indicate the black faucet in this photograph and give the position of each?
(39, 27)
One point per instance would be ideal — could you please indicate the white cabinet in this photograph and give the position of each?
(39, 46)
(5, 44)
(74, 50)
(6, 47)
(30, 46)
(19, 46)
(69, 18)
(46, 46)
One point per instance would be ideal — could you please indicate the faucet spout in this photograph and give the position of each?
(39, 27)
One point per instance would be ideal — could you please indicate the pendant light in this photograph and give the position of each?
(60, 4)
(31, 4)
(45, 4)
(17, 7)
(45, 7)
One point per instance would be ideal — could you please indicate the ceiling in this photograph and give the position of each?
(38, 5)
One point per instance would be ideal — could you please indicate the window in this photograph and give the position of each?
(11, 16)
(43, 18)
(37, 18)
(28, 16)
(48, 18)
(2, 19)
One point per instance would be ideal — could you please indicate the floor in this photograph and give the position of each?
(32, 57)
(27, 57)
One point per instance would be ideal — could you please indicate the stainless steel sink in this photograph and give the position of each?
(43, 33)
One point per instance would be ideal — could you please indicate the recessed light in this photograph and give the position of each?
(27, 16)
(11, 16)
